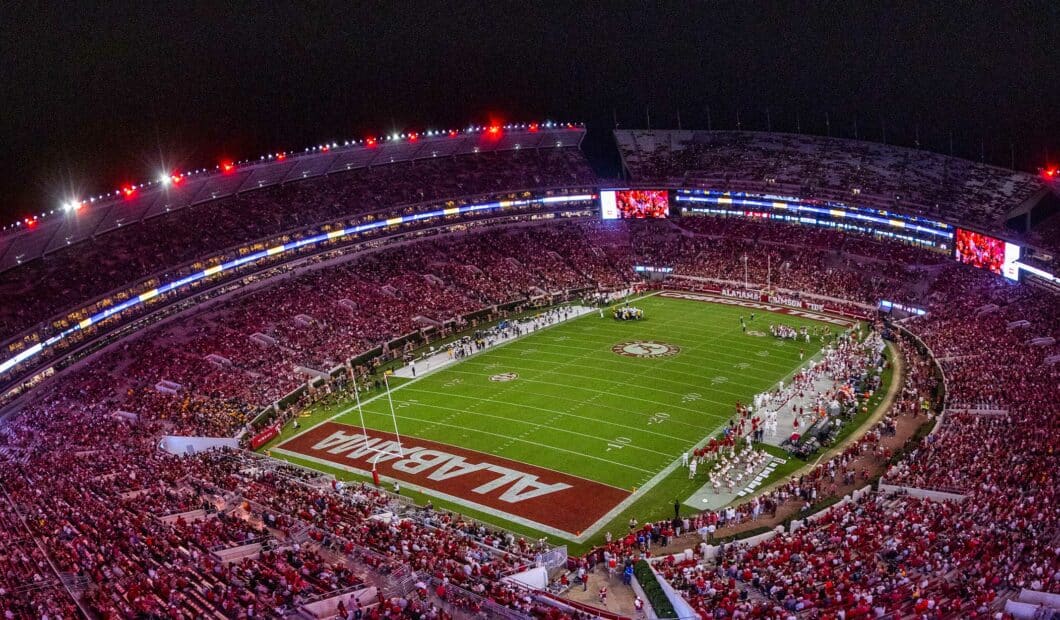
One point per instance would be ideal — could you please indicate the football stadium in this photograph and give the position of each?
(456, 372)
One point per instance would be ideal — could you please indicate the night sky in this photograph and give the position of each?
(96, 96)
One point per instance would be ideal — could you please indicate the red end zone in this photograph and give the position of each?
(546, 497)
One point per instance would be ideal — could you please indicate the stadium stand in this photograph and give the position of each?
(139, 246)
(96, 519)
(875, 175)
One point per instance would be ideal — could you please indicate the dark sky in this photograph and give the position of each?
(97, 95)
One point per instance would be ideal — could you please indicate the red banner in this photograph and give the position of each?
(265, 436)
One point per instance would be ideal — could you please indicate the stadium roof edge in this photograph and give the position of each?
(138, 202)
(896, 147)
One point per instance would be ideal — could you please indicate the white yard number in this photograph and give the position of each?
(455, 381)
(618, 443)
(405, 403)
(691, 396)
(658, 418)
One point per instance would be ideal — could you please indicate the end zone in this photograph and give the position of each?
(540, 498)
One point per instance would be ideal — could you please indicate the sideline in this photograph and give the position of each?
(431, 371)
(646, 486)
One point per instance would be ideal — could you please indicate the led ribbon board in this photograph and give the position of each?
(794, 206)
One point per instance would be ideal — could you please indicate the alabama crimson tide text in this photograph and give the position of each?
(544, 496)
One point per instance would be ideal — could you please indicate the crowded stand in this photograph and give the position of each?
(994, 451)
(136, 250)
(116, 529)
(815, 167)
(144, 533)
(211, 375)
(870, 558)
(797, 258)
(1046, 235)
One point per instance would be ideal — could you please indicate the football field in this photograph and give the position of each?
(563, 430)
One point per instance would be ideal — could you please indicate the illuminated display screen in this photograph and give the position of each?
(793, 209)
(979, 250)
(1010, 268)
(628, 204)
(643, 203)
(888, 306)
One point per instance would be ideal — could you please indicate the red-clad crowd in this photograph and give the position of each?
(900, 556)
(76, 274)
(89, 503)
(817, 167)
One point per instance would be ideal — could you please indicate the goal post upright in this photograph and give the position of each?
(360, 412)
(393, 416)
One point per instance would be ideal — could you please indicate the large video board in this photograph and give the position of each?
(986, 252)
(628, 204)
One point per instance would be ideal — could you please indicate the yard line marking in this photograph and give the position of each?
(570, 415)
(536, 425)
(510, 438)
(671, 335)
(625, 396)
(586, 401)
(438, 369)
(702, 378)
(720, 351)
(760, 370)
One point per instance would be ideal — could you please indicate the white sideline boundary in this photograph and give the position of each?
(585, 310)
(539, 425)
(599, 524)
(431, 371)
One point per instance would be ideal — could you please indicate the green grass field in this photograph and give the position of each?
(580, 408)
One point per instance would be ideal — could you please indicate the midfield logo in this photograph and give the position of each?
(645, 348)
